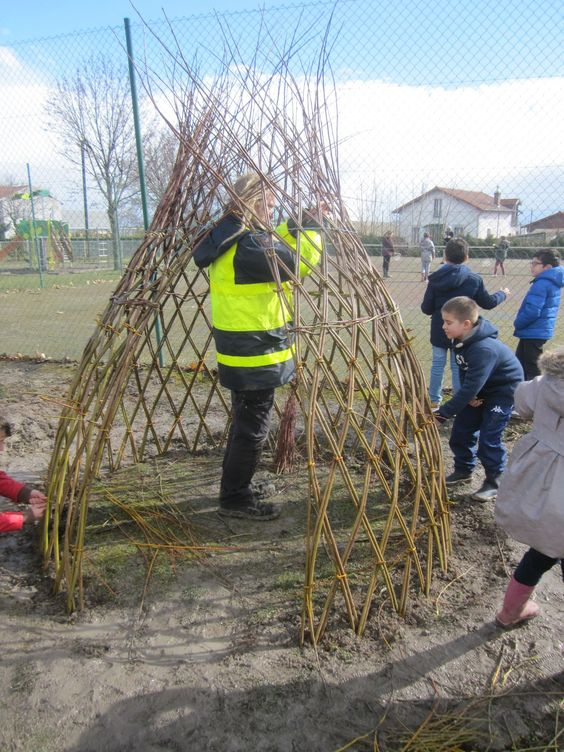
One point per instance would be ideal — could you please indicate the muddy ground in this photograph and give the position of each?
(206, 656)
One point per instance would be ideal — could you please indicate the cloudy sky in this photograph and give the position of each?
(467, 95)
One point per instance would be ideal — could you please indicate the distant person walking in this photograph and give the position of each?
(536, 318)
(500, 255)
(388, 251)
(427, 248)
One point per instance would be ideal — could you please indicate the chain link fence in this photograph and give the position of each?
(445, 121)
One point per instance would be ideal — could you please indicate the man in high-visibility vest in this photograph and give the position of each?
(250, 270)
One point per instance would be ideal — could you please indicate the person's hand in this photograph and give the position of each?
(37, 496)
(506, 290)
(312, 213)
(476, 402)
(35, 511)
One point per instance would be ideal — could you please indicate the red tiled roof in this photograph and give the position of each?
(552, 222)
(7, 191)
(477, 199)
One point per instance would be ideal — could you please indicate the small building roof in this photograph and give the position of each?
(8, 191)
(552, 222)
(477, 199)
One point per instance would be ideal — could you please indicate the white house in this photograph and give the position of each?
(465, 212)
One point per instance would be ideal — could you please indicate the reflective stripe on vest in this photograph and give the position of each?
(252, 361)
(249, 320)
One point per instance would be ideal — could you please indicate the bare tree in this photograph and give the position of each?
(160, 148)
(367, 209)
(92, 111)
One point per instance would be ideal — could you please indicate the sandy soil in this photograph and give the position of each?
(211, 661)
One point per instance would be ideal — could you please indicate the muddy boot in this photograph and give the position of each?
(517, 608)
(488, 491)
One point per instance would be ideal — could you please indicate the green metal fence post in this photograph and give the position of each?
(33, 233)
(140, 160)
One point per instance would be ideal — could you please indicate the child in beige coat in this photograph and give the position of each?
(530, 501)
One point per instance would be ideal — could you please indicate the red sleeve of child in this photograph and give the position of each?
(10, 522)
(13, 490)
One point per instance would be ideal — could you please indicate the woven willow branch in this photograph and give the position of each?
(378, 518)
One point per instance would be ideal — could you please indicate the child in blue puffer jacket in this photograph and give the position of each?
(536, 318)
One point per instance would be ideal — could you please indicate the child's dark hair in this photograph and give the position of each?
(548, 257)
(456, 251)
(462, 308)
(5, 426)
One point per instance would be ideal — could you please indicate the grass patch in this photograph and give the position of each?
(140, 532)
(289, 581)
(14, 281)
(59, 319)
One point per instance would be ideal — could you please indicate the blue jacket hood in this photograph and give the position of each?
(450, 281)
(554, 275)
(536, 317)
(482, 330)
(449, 277)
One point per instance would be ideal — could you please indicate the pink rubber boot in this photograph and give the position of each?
(517, 608)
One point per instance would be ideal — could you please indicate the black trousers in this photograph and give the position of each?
(250, 422)
(532, 567)
(386, 265)
(528, 352)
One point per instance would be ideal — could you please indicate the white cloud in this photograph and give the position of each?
(474, 138)
(8, 59)
(399, 138)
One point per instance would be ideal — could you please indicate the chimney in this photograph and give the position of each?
(497, 196)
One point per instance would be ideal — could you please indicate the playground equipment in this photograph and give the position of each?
(48, 240)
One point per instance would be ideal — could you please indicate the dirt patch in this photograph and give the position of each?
(205, 655)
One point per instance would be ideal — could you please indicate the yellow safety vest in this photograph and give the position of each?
(255, 350)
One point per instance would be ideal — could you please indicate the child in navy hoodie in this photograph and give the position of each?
(481, 408)
(451, 280)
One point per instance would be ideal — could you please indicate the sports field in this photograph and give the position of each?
(58, 320)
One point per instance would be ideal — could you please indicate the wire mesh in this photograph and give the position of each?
(428, 95)
(405, 125)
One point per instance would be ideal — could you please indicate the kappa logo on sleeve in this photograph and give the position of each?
(496, 409)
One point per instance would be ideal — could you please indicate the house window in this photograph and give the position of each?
(415, 235)
(438, 208)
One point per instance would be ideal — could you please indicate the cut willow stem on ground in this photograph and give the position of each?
(378, 510)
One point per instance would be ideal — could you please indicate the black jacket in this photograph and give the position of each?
(251, 261)
(449, 281)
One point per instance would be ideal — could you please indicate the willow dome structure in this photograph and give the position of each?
(368, 439)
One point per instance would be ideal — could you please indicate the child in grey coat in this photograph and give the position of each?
(530, 505)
